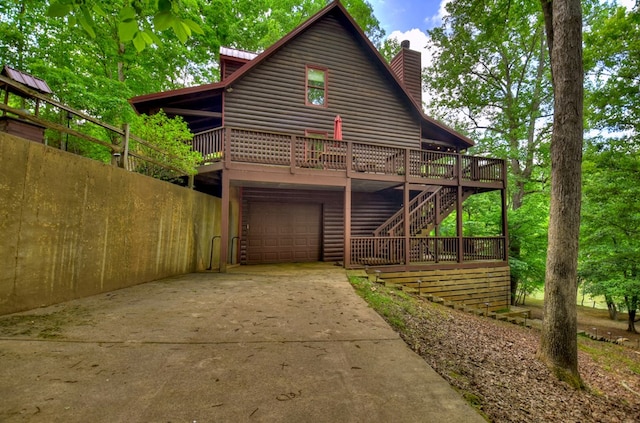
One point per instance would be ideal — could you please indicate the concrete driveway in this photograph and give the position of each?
(290, 343)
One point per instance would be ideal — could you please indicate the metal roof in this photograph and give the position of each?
(26, 79)
(238, 54)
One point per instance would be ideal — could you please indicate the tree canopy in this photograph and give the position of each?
(96, 54)
(610, 252)
(611, 217)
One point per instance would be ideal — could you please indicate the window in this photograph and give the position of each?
(316, 87)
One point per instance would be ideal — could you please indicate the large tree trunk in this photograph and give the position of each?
(558, 346)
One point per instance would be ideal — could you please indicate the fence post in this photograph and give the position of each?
(348, 161)
(292, 151)
(125, 150)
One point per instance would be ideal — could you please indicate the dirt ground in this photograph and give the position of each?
(590, 318)
(495, 366)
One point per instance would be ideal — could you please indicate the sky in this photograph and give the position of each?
(404, 15)
(410, 20)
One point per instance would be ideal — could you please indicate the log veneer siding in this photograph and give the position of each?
(357, 91)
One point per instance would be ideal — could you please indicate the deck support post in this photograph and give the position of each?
(407, 225)
(347, 224)
(436, 227)
(505, 225)
(224, 221)
(459, 210)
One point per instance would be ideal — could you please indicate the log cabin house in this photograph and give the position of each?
(316, 145)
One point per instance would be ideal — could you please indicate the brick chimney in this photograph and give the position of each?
(407, 65)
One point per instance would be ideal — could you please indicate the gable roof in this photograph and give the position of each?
(430, 127)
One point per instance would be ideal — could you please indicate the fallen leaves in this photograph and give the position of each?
(494, 365)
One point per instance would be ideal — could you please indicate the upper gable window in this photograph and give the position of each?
(316, 86)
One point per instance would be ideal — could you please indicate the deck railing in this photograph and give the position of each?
(377, 251)
(83, 133)
(259, 147)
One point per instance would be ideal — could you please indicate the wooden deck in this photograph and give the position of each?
(228, 146)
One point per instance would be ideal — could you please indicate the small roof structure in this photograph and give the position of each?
(27, 80)
(237, 54)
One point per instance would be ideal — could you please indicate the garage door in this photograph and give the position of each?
(281, 233)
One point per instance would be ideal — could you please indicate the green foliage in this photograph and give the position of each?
(491, 75)
(389, 49)
(390, 303)
(481, 216)
(612, 59)
(133, 23)
(173, 138)
(528, 244)
(610, 232)
(255, 25)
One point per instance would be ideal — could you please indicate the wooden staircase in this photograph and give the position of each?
(428, 209)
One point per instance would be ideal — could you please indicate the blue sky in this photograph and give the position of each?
(409, 20)
(404, 15)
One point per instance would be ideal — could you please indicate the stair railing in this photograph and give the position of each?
(394, 226)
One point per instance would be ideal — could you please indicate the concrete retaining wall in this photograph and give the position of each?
(72, 227)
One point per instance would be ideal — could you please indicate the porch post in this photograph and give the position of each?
(407, 225)
(436, 243)
(347, 224)
(505, 221)
(224, 222)
(459, 211)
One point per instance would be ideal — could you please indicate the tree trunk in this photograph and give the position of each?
(632, 306)
(611, 306)
(558, 345)
(514, 252)
(121, 50)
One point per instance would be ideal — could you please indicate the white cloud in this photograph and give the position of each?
(436, 20)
